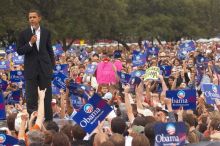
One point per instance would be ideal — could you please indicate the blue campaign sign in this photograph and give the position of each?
(7, 140)
(138, 58)
(170, 134)
(3, 84)
(90, 69)
(13, 97)
(137, 73)
(152, 51)
(211, 92)
(2, 108)
(55, 90)
(95, 110)
(62, 68)
(10, 49)
(4, 65)
(124, 78)
(59, 81)
(76, 101)
(182, 54)
(117, 53)
(166, 70)
(182, 98)
(202, 61)
(16, 76)
(58, 49)
(18, 60)
(188, 46)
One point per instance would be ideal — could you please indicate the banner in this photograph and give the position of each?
(2, 108)
(166, 70)
(13, 97)
(90, 69)
(59, 81)
(211, 92)
(62, 68)
(4, 65)
(124, 77)
(96, 109)
(7, 140)
(10, 49)
(152, 73)
(182, 98)
(16, 76)
(137, 73)
(138, 58)
(170, 134)
(3, 85)
(58, 49)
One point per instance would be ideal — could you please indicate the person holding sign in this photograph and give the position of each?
(35, 44)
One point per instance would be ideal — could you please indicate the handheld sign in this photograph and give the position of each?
(188, 46)
(13, 97)
(3, 84)
(152, 73)
(76, 102)
(166, 70)
(4, 65)
(137, 73)
(10, 49)
(153, 51)
(90, 69)
(124, 78)
(16, 76)
(138, 58)
(211, 92)
(62, 68)
(182, 98)
(2, 108)
(7, 140)
(96, 109)
(202, 61)
(59, 81)
(55, 90)
(170, 134)
(58, 49)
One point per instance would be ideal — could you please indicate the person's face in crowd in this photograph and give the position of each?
(153, 62)
(172, 55)
(170, 81)
(4, 77)
(95, 58)
(160, 116)
(34, 19)
(104, 89)
(190, 63)
(176, 62)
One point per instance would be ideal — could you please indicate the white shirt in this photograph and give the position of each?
(37, 32)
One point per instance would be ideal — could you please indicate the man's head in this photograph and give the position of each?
(34, 18)
(118, 125)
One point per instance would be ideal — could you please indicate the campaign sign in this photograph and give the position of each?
(170, 134)
(55, 90)
(90, 69)
(4, 65)
(182, 54)
(138, 58)
(58, 49)
(137, 73)
(16, 76)
(10, 49)
(166, 70)
(18, 60)
(59, 81)
(152, 73)
(202, 61)
(153, 51)
(83, 55)
(13, 97)
(124, 78)
(7, 140)
(63, 68)
(95, 110)
(2, 108)
(211, 92)
(188, 46)
(117, 53)
(3, 84)
(182, 98)
(76, 101)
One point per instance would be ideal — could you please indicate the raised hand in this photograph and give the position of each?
(41, 93)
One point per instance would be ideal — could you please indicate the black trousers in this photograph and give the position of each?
(31, 87)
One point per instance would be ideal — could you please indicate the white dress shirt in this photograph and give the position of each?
(37, 32)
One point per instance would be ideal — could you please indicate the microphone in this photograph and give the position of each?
(34, 31)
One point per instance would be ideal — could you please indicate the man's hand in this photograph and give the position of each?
(41, 93)
(33, 115)
(126, 88)
(33, 39)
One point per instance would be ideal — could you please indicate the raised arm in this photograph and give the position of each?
(128, 104)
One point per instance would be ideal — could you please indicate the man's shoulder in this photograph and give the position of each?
(44, 29)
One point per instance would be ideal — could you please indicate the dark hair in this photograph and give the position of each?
(78, 132)
(51, 125)
(34, 11)
(139, 121)
(140, 140)
(190, 119)
(117, 139)
(11, 121)
(48, 135)
(149, 132)
(60, 139)
(107, 143)
(118, 125)
(215, 124)
(68, 130)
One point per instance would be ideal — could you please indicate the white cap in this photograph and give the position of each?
(107, 96)
(145, 112)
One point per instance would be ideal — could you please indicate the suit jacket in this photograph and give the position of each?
(34, 59)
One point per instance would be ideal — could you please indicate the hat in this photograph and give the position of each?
(137, 129)
(145, 112)
(107, 96)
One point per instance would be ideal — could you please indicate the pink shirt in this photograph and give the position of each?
(118, 65)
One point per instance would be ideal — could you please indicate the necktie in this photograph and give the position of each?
(34, 44)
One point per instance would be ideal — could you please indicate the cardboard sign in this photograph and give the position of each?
(138, 58)
(153, 51)
(58, 49)
(166, 70)
(4, 65)
(17, 59)
(3, 84)
(124, 77)
(59, 81)
(62, 68)
(188, 46)
(7, 140)
(13, 97)
(152, 73)
(96, 109)
(137, 73)
(10, 49)
(2, 108)
(170, 134)
(16, 76)
(90, 69)
(211, 92)
(182, 98)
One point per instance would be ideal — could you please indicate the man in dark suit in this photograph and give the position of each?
(35, 44)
